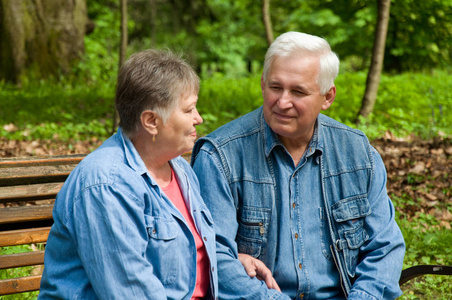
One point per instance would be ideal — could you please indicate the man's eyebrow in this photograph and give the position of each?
(273, 82)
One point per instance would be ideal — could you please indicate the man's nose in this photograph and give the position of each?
(285, 100)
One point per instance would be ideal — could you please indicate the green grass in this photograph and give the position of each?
(427, 243)
(17, 272)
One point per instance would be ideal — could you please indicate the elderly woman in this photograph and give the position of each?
(129, 222)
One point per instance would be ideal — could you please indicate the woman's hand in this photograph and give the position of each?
(256, 268)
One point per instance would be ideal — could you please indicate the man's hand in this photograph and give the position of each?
(256, 268)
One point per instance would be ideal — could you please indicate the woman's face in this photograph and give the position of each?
(178, 133)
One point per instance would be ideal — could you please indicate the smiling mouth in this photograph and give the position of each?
(283, 117)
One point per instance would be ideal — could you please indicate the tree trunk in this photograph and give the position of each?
(267, 21)
(153, 4)
(122, 51)
(44, 37)
(373, 77)
(124, 36)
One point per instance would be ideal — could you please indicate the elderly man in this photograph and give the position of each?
(299, 191)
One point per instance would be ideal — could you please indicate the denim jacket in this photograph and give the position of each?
(238, 182)
(117, 236)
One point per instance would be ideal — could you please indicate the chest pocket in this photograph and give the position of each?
(349, 215)
(253, 227)
(163, 248)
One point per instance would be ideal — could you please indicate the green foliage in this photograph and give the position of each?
(419, 35)
(426, 243)
(409, 103)
(227, 47)
(223, 99)
(99, 65)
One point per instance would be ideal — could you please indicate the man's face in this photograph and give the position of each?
(292, 99)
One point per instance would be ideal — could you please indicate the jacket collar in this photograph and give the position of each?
(131, 156)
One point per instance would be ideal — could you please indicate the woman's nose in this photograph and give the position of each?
(198, 118)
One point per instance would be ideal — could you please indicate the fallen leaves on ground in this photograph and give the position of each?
(420, 173)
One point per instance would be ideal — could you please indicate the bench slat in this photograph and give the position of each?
(32, 192)
(24, 259)
(20, 285)
(34, 175)
(19, 162)
(36, 170)
(26, 213)
(24, 236)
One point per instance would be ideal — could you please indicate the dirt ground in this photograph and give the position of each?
(417, 169)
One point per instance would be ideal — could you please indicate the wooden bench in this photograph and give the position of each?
(28, 187)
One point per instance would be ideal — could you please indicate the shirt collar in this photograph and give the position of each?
(271, 139)
(133, 158)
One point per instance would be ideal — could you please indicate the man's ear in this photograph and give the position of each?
(149, 121)
(262, 85)
(329, 98)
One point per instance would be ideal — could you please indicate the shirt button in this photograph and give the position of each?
(205, 239)
(300, 265)
(154, 231)
(301, 296)
(294, 205)
(296, 236)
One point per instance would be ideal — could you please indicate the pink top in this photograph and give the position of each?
(202, 267)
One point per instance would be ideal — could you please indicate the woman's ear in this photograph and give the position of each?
(149, 121)
(329, 98)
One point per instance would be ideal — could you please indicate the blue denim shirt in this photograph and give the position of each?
(117, 236)
(325, 223)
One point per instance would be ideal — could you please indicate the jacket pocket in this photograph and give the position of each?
(163, 248)
(252, 232)
(349, 216)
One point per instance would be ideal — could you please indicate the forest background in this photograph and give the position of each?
(70, 109)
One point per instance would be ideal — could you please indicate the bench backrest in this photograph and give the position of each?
(28, 187)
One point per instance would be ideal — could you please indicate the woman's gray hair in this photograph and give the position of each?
(152, 80)
(297, 43)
